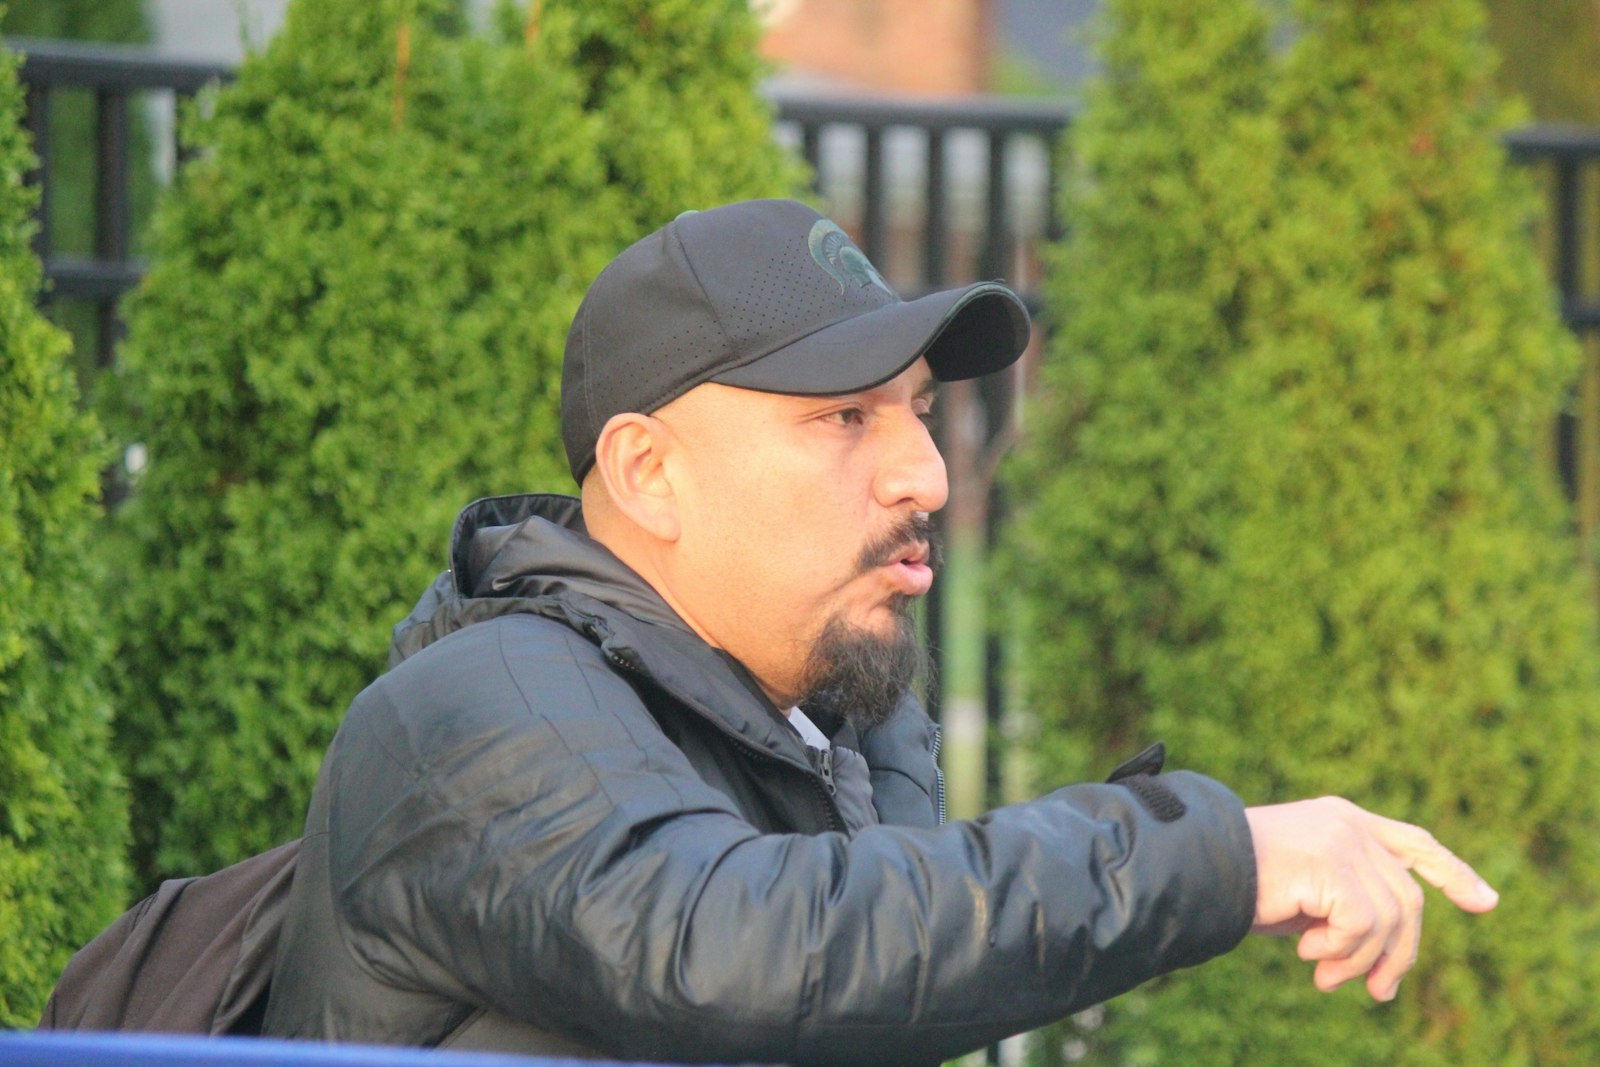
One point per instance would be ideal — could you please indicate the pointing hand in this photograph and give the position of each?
(1341, 878)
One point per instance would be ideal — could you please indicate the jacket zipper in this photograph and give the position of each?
(823, 790)
(938, 774)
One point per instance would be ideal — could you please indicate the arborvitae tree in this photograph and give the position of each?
(63, 821)
(354, 326)
(1286, 507)
(674, 82)
(1551, 55)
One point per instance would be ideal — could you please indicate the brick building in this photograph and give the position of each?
(933, 47)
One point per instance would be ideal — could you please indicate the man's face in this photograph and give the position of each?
(799, 516)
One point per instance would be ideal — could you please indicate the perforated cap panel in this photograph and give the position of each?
(763, 294)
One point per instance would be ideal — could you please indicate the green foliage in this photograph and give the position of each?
(77, 20)
(673, 84)
(1285, 506)
(1551, 55)
(63, 824)
(354, 326)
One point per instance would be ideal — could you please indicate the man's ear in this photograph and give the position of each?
(629, 458)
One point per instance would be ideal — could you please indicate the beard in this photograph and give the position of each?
(861, 675)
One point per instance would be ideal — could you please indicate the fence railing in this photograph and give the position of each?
(118, 79)
(1567, 162)
(936, 192)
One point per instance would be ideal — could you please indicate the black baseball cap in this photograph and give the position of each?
(766, 295)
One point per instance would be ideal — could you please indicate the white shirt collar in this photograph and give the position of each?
(808, 730)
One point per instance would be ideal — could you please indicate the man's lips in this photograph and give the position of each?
(906, 555)
(909, 570)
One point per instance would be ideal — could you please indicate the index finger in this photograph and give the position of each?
(1435, 864)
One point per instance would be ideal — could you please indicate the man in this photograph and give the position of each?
(644, 779)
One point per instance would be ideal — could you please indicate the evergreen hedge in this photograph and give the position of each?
(1550, 55)
(63, 821)
(1285, 508)
(353, 327)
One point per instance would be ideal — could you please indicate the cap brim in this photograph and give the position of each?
(963, 333)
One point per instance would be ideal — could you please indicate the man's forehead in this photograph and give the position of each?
(916, 379)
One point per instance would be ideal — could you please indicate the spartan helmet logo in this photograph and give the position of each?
(843, 261)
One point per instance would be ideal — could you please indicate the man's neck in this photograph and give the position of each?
(646, 561)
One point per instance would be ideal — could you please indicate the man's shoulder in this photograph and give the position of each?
(504, 639)
(500, 669)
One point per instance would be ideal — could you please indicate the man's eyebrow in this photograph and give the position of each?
(929, 389)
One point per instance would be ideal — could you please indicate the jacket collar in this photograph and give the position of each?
(535, 544)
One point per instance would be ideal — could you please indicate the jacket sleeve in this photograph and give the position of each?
(518, 834)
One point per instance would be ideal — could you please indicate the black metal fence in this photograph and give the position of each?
(936, 193)
(942, 193)
(118, 79)
(1567, 160)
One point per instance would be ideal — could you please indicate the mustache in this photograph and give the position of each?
(892, 544)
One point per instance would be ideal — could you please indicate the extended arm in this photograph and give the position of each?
(565, 865)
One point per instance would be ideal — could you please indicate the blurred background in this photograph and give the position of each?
(1302, 472)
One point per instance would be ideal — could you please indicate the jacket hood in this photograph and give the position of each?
(513, 554)
(535, 545)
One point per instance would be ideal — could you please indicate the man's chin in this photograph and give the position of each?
(884, 620)
(894, 611)
(861, 671)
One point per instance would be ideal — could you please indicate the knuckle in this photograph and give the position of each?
(1359, 924)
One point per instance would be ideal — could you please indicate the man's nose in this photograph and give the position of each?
(913, 470)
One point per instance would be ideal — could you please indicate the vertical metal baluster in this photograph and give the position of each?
(935, 239)
(875, 207)
(1568, 272)
(182, 151)
(111, 223)
(1586, 444)
(997, 239)
(934, 257)
(811, 147)
(37, 121)
(1569, 233)
(1053, 229)
(996, 260)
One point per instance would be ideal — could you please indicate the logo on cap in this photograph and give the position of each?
(843, 261)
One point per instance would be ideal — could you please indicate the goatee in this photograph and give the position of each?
(861, 675)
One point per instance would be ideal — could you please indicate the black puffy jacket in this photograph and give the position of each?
(562, 822)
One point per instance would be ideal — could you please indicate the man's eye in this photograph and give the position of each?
(847, 416)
